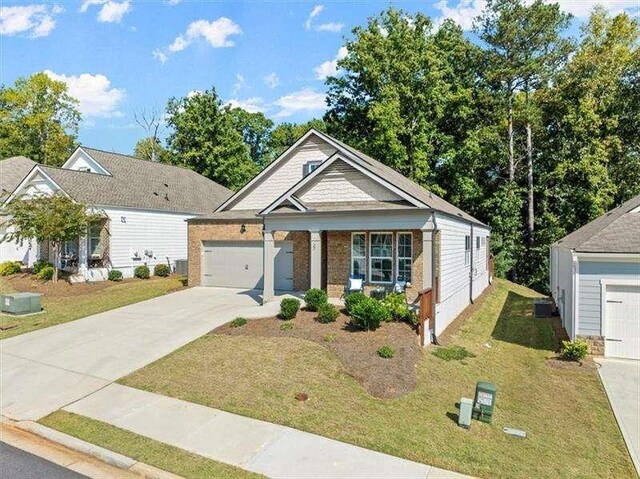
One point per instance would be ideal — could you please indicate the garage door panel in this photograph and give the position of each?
(622, 321)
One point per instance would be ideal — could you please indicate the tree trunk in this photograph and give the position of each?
(56, 262)
(512, 168)
(530, 213)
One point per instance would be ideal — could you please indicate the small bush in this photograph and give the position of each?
(38, 265)
(453, 353)
(314, 298)
(329, 338)
(239, 321)
(327, 313)
(10, 267)
(368, 314)
(141, 272)
(397, 305)
(115, 275)
(161, 270)
(46, 273)
(287, 325)
(289, 308)
(352, 299)
(386, 352)
(574, 350)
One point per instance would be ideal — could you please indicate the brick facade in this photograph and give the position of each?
(596, 344)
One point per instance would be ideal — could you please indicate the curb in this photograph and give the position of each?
(105, 455)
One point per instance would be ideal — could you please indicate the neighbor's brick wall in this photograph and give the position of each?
(596, 344)
(339, 262)
(206, 230)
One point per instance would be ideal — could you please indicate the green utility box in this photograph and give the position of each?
(485, 401)
(20, 303)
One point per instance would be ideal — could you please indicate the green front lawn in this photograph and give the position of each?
(140, 448)
(63, 302)
(572, 431)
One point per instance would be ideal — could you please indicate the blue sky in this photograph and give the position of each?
(118, 56)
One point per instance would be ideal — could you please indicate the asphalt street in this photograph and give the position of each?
(18, 464)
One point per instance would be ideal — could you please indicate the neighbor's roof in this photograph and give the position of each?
(617, 231)
(143, 184)
(12, 172)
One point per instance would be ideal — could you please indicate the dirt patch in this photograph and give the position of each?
(384, 378)
(587, 366)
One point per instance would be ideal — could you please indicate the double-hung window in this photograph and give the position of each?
(477, 257)
(381, 258)
(358, 254)
(405, 256)
(94, 239)
(467, 250)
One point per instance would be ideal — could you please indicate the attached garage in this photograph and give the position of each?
(239, 264)
(622, 320)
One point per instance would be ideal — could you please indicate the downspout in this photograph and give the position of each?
(471, 268)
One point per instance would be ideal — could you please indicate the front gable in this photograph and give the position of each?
(80, 160)
(36, 183)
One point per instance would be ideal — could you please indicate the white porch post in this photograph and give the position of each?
(316, 259)
(427, 255)
(83, 256)
(268, 267)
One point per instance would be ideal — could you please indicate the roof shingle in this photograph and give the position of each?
(12, 172)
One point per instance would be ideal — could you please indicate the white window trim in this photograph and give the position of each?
(359, 257)
(467, 252)
(398, 257)
(371, 257)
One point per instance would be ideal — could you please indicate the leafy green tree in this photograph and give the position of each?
(54, 219)
(151, 149)
(255, 129)
(38, 119)
(285, 134)
(204, 138)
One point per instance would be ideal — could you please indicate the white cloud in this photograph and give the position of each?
(111, 10)
(463, 12)
(271, 80)
(300, 101)
(94, 92)
(252, 105)
(330, 67)
(37, 20)
(216, 33)
(237, 86)
(173, 2)
(334, 27)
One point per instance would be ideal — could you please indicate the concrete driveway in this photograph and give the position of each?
(621, 380)
(44, 370)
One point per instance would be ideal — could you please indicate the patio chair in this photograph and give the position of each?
(355, 284)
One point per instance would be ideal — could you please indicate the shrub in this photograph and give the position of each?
(397, 305)
(46, 273)
(287, 325)
(161, 270)
(327, 313)
(453, 353)
(314, 298)
(141, 272)
(289, 308)
(10, 267)
(386, 352)
(329, 338)
(368, 314)
(239, 321)
(574, 350)
(115, 275)
(352, 299)
(38, 265)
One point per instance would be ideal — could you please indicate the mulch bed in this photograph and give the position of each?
(357, 350)
(586, 366)
(28, 283)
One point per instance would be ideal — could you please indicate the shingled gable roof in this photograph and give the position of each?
(12, 172)
(617, 231)
(142, 184)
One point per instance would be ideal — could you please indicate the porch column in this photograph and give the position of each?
(268, 267)
(316, 259)
(83, 255)
(427, 255)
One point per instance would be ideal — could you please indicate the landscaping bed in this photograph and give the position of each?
(570, 426)
(357, 350)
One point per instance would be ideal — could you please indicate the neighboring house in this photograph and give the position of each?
(595, 281)
(12, 171)
(145, 206)
(323, 211)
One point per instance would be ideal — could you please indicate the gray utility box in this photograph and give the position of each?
(182, 267)
(20, 303)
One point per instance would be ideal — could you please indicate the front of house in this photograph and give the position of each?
(324, 211)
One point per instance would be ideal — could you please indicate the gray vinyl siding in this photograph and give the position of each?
(590, 290)
(562, 285)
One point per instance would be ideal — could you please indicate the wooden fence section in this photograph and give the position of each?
(425, 318)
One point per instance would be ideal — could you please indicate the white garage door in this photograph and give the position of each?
(238, 264)
(622, 322)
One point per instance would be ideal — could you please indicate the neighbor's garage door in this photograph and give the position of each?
(622, 320)
(238, 264)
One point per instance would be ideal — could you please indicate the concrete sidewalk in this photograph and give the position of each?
(270, 449)
(621, 379)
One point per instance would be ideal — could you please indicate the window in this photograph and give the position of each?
(467, 249)
(94, 240)
(477, 256)
(310, 167)
(381, 258)
(405, 256)
(358, 254)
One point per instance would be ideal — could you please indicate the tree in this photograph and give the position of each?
(255, 129)
(204, 139)
(286, 134)
(150, 121)
(53, 219)
(151, 149)
(38, 119)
